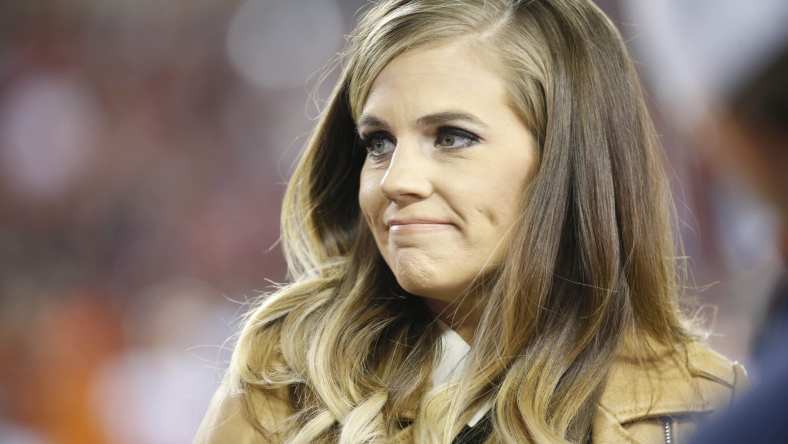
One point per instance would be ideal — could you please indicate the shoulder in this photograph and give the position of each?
(759, 415)
(250, 413)
(226, 418)
(649, 400)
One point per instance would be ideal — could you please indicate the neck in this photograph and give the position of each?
(461, 318)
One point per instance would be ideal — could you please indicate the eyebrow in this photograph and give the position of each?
(433, 119)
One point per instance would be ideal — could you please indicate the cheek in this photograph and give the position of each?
(509, 187)
(508, 205)
(495, 223)
(495, 204)
(495, 210)
(369, 198)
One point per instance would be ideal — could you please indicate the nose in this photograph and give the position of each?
(407, 174)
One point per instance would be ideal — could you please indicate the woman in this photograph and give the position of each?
(480, 249)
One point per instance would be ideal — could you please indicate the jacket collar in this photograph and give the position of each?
(638, 387)
(692, 379)
(670, 382)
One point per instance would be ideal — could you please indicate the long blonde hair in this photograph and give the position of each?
(590, 266)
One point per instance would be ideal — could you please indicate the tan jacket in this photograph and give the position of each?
(660, 402)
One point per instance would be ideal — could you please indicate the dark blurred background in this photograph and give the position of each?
(144, 150)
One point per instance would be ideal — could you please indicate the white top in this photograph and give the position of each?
(452, 364)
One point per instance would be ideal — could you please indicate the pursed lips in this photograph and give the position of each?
(420, 224)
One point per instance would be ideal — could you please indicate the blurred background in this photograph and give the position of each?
(144, 150)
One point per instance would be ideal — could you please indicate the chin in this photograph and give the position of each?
(428, 288)
(426, 277)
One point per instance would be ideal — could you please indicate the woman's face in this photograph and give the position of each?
(446, 165)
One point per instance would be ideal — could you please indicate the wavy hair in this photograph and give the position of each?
(590, 268)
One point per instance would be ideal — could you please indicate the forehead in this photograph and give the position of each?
(453, 75)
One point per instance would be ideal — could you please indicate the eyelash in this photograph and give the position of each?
(367, 139)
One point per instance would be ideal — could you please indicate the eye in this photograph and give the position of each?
(450, 137)
(377, 144)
